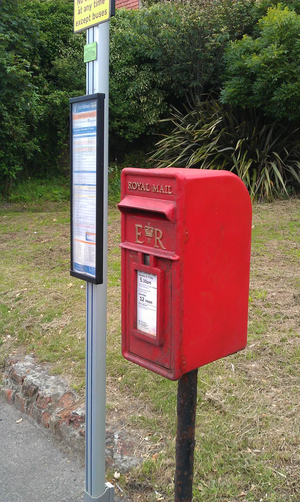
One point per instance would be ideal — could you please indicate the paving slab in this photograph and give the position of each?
(33, 465)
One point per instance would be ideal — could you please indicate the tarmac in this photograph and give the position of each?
(34, 465)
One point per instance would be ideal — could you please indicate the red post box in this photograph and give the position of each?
(185, 239)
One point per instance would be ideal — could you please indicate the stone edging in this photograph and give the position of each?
(48, 400)
(45, 399)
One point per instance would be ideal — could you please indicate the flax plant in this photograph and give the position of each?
(264, 154)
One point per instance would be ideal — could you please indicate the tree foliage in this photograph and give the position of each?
(61, 75)
(264, 72)
(166, 54)
(18, 95)
(40, 68)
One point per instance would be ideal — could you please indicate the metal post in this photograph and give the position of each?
(97, 80)
(185, 440)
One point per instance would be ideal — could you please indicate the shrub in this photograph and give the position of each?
(61, 73)
(264, 154)
(265, 72)
(168, 53)
(17, 90)
(41, 66)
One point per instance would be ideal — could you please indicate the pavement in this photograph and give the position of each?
(34, 465)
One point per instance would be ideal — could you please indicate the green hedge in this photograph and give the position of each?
(167, 54)
(264, 72)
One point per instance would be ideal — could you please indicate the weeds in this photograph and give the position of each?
(35, 194)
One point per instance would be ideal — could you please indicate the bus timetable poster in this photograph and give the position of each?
(87, 142)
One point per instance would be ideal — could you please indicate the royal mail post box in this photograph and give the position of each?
(185, 239)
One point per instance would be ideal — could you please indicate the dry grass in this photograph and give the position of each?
(248, 404)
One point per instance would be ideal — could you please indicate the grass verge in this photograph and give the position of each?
(247, 434)
(33, 194)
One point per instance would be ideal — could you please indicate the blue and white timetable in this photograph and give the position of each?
(84, 137)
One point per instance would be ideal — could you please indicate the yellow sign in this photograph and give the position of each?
(88, 13)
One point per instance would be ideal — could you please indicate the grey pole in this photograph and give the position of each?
(97, 80)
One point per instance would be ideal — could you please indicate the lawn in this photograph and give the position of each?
(248, 413)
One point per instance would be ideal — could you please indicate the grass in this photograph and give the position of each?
(31, 191)
(248, 432)
(33, 194)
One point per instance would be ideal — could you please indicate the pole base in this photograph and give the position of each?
(107, 496)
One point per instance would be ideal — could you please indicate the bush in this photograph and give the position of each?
(264, 154)
(168, 53)
(19, 98)
(61, 72)
(41, 66)
(265, 72)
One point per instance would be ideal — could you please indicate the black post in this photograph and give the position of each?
(185, 441)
